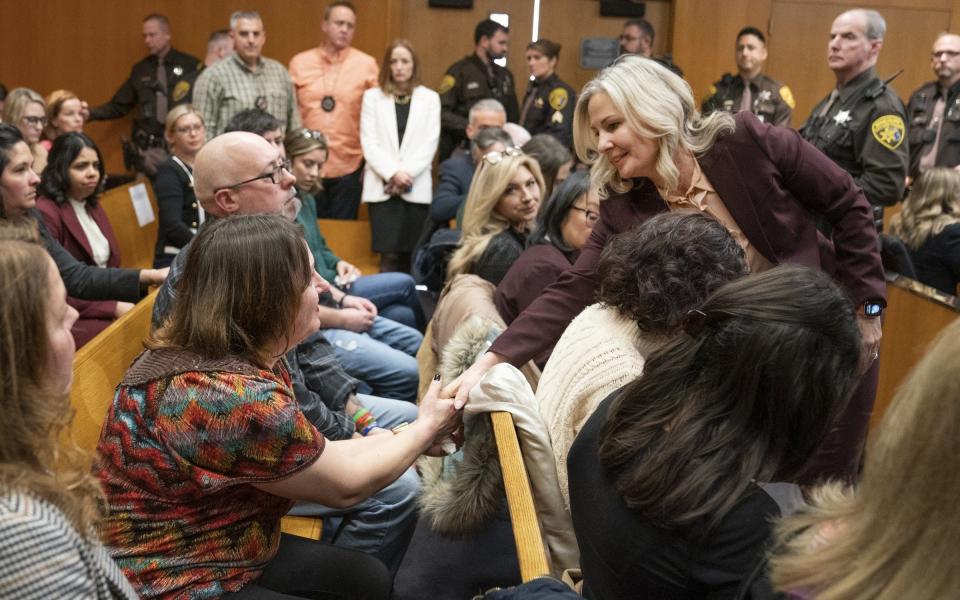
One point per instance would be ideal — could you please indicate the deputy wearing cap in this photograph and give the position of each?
(548, 104)
(473, 78)
(861, 125)
(750, 89)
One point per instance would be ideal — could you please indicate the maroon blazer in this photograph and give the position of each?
(775, 185)
(63, 225)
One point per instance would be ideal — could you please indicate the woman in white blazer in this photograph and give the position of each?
(399, 131)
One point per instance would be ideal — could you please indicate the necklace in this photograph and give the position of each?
(328, 103)
(405, 99)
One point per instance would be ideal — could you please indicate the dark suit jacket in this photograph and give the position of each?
(62, 224)
(456, 173)
(177, 205)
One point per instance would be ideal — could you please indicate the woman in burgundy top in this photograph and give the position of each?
(563, 227)
(652, 151)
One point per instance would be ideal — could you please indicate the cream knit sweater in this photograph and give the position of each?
(600, 352)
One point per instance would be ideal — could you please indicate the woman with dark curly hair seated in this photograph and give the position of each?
(670, 478)
(649, 278)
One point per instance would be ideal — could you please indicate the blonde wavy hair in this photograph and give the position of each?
(895, 536)
(480, 221)
(34, 457)
(655, 103)
(933, 203)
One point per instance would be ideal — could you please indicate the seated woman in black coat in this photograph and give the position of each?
(180, 213)
(929, 224)
(562, 229)
(668, 489)
(498, 216)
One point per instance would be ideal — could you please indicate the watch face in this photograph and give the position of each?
(872, 309)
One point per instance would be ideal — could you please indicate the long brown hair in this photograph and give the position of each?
(729, 401)
(33, 456)
(933, 203)
(895, 536)
(386, 80)
(240, 289)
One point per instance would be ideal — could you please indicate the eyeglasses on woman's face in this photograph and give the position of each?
(591, 216)
(495, 157)
(35, 121)
(188, 129)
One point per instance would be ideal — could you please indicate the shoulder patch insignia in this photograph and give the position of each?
(787, 96)
(558, 98)
(180, 91)
(889, 131)
(446, 84)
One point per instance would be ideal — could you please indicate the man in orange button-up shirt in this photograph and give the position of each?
(330, 81)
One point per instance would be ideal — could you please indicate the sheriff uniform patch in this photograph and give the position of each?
(889, 131)
(446, 84)
(787, 96)
(180, 91)
(558, 98)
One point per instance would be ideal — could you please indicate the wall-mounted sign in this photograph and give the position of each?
(596, 53)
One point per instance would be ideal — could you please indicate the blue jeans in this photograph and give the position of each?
(383, 524)
(395, 296)
(382, 358)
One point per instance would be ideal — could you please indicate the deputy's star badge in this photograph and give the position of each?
(842, 117)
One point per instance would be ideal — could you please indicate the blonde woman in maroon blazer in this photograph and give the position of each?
(68, 203)
(780, 197)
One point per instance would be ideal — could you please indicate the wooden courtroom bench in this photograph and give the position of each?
(137, 244)
(915, 314)
(99, 367)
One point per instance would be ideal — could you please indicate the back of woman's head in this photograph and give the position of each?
(240, 289)
(895, 536)
(657, 104)
(549, 227)
(659, 270)
(34, 413)
(749, 392)
(933, 203)
(55, 180)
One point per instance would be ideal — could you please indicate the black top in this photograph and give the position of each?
(177, 204)
(937, 262)
(140, 90)
(625, 556)
(502, 251)
(403, 113)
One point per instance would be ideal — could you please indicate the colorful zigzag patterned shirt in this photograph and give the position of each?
(184, 440)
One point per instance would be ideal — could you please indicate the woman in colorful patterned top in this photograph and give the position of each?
(205, 448)
(48, 500)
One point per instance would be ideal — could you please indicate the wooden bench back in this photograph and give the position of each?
(137, 244)
(351, 241)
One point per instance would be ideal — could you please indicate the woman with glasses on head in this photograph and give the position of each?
(399, 132)
(18, 199)
(562, 229)
(64, 114)
(498, 216)
(25, 110)
(68, 203)
(180, 213)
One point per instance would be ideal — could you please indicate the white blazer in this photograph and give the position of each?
(384, 156)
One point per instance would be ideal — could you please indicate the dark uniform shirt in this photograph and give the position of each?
(772, 101)
(923, 130)
(140, 90)
(864, 132)
(467, 81)
(550, 109)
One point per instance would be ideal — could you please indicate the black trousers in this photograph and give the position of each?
(310, 569)
(340, 197)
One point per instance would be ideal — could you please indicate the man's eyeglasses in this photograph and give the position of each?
(41, 121)
(275, 175)
(591, 216)
(186, 129)
(495, 157)
(944, 54)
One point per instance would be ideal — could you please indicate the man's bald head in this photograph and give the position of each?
(235, 157)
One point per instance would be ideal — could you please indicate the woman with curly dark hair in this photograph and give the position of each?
(649, 278)
(668, 478)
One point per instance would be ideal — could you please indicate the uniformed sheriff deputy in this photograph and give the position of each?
(156, 84)
(861, 124)
(474, 78)
(750, 89)
(548, 104)
(934, 111)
